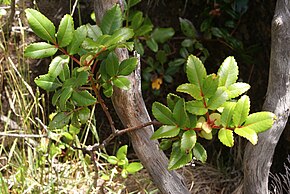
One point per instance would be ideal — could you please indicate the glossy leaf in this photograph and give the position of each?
(94, 31)
(60, 120)
(83, 98)
(161, 35)
(143, 30)
(166, 131)
(171, 100)
(134, 167)
(112, 20)
(41, 25)
(188, 141)
(237, 89)
(178, 158)
(127, 66)
(108, 91)
(199, 152)
(122, 152)
(47, 82)
(227, 114)
(84, 115)
(112, 64)
(65, 31)
(228, 72)
(179, 113)
(191, 89)
(57, 64)
(165, 144)
(226, 136)
(196, 107)
(210, 85)
(82, 78)
(260, 121)
(39, 50)
(187, 28)
(121, 82)
(120, 35)
(137, 20)
(64, 96)
(247, 133)
(162, 114)
(241, 111)
(55, 97)
(218, 99)
(195, 70)
(152, 44)
(79, 36)
(65, 73)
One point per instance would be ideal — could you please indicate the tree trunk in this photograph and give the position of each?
(132, 111)
(258, 159)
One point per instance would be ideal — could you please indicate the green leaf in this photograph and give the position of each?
(134, 167)
(191, 89)
(241, 111)
(41, 25)
(108, 91)
(82, 78)
(131, 3)
(226, 136)
(260, 121)
(94, 31)
(179, 113)
(171, 100)
(152, 44)
(79, 36)
(218, 99)
(47, 82)
(65, 73)
(228, 72)
(196, 107)
(57, 64)
(60, 120)
(112, 64)
(127, 66)
(166, 131)
(137, 20)
(162, 35)
(112, 160)
(187, 28)
(227, 114)
(188, 141)
(162, 114)
(39, 50)
(84, 115)
(55, 97)
(64, 96)
(247, 133)
(112, 20)
(165, 144)
(178, 158)
(199, 152)
(237, 89)
(119, 36)
(122, 152)
(195, 70)
(83, 98)
(121, 82)
(143, 30)
(210, 85)
(138, 47)
(65, 31)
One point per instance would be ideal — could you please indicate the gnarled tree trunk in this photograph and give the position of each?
(258, 159)
(131, 109)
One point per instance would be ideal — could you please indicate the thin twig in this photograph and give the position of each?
(22, 135)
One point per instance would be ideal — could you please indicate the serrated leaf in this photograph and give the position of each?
(60, 120)
(57, 64)
(122, 152)
(65, 31)
(41, 25)
(84, 115)
(127, 66)
(79, 36)
(64, 96)
(210, 85)
(119, 36)
(241, 111)
(195, 71)
(188, 141)
(199, 152)
(47, 82)
(178, 158)
(162, 114)
(121, 82)
(112, 64)
(39, 50)
(65, 73)
(162, 35)
(218, 99)
(166, 131)
(179, 113)
(247, 133)
(165, 144)
(237, 89)
(192, 121)
(134, 167)
(227, 114)
(94, 31)
(226, 136)
(112, 20)
(83, 98)
(187, 28)
(191, 89)
(152, 44)
(196, 107)
(82, 78)
(260, 121)
(228, 72)
(171, 100)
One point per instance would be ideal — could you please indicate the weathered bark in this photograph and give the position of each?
(258, 159)
(132, 111)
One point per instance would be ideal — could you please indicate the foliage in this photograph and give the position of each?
(215, 108)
